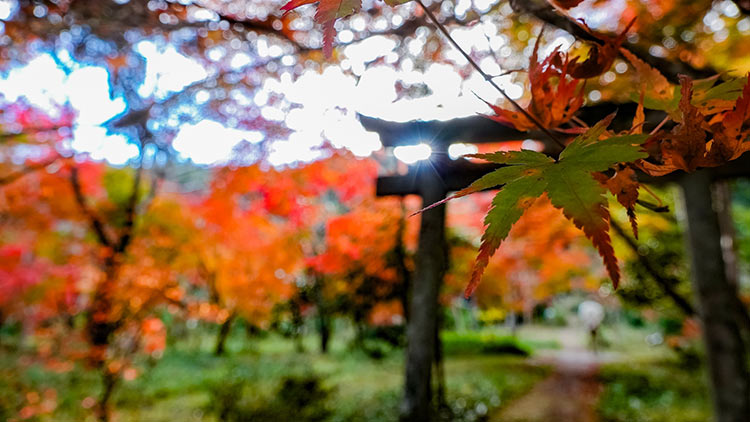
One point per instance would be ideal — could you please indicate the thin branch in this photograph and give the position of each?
(93, 219)
(487, 77)
(666, 283)
(130, 209)
(152, 191)
(408, 28)
(546, 13)
(6, 180)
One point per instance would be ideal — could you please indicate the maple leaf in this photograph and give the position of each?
(568, 182)
(729, 140)
(327, 13)
(551, 104)
(656, 90)
(600, 57)
(684, 148)
(719, 98)
(624, 186)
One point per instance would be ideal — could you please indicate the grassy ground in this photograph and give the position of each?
(188, 381)
(656, 391)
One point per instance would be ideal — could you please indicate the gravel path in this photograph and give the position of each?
(569, 394)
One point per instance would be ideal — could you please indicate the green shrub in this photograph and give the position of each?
(657, 392)
(298, 398)
(483, 343)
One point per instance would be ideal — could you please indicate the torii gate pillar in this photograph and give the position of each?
(423, 308)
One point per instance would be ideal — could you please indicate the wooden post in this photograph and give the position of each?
(422, 323)
(717, 303)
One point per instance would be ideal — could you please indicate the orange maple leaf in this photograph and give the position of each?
(688, 146)
(600, 57)
(624, 186)
(684, 148)
(551, 103)
(730, 141)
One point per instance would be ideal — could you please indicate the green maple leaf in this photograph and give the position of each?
(568, 182)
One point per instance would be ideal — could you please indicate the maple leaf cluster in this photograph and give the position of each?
(568, 182)
(702, 137)
(711, 128)
(555, 94)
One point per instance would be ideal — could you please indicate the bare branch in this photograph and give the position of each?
(664, 282)
(546, 13)
(94, 221)
(487, 77)
(6, 180)
(126, 235)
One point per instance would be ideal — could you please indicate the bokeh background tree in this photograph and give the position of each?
(105, 265)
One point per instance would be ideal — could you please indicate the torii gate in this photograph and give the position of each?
(432, 179)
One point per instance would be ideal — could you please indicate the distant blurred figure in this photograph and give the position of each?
(592, 314)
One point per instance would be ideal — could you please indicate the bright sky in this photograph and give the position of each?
(329, 100)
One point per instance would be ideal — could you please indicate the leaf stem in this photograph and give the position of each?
(487, 77)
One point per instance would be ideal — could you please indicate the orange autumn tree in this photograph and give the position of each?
(258, 235)
(355, 256)
(544, 255)
(44, 207)
(365, 262)
(245, 251)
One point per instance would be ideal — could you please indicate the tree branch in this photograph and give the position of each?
(487, 77)
(663, 281)
(408, 28)
(130, 209)
(96, 224)
(6, 180)
(546, 13)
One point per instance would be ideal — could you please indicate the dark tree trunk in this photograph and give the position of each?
(722, 196)
(430, 266)
(109, 381)
(723, 205)
(323, 321)
(297, 324)
(403, 272)
(439, 368)
(324, 329)
(717, 304)
(224, 330)
(252, 330)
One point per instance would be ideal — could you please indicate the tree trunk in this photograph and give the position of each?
(404, 274)
(323, 318)
(439, 368)
(717, 302)
(109, 380)
(723, 205)
(297, 323)
(430, 265)
(324, 329)
(224, 330)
